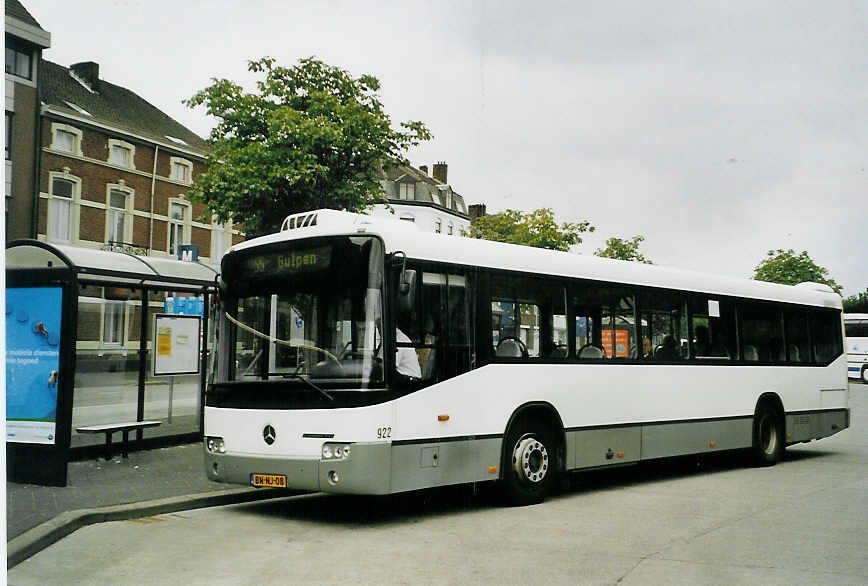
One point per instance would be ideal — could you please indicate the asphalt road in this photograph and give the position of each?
(712, 521)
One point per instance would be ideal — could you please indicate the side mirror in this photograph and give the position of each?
(407, 291)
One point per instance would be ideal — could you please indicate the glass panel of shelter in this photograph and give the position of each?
(108, 366)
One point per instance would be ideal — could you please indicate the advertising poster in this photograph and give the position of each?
(622, 342)
(176, 344)
(32, 363)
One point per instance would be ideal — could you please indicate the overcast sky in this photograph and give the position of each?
(718, 130)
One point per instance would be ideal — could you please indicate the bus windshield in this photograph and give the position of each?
(306, 310)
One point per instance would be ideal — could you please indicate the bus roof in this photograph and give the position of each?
(405, 236)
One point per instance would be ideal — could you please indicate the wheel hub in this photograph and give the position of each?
(530, 459)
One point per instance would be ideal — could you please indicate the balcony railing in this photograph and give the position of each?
(127, 247)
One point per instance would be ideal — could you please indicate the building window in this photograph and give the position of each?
(450, 229)
(60, 209)
(18, 61)
(113, 322)
(449, 200)
(438, 226)
(180, 170)
(118, 222)
(178, 232)
(221, 239)
(66, 138)
(121, 153)
(407, 191)
(8, 144)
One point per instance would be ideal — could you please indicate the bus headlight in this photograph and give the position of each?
(215, 445)
(332, 451)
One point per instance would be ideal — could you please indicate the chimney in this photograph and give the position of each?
(424, 169)
(87, 71)
(440, 172)
(476, 210)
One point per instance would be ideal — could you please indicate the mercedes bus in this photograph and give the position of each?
(362, 355)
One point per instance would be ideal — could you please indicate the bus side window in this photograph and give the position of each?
(605, 322)
(761, 332)
(798, 347)
(528, 317)
(664, 325)
(826, 335)
(711, 325)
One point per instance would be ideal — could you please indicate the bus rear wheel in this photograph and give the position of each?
(768, 436)
(529, 468)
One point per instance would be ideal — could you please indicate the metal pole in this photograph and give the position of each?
(171, 393)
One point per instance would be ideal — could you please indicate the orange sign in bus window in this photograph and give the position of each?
(622, 343)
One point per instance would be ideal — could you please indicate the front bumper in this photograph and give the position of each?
(366, 471)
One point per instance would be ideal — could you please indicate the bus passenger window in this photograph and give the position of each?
(798, 347)
(762, 337)
(528, 318)
(711, 322)
(605, 323)
(826, 336)
(664, 325)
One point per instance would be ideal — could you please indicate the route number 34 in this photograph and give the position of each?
(384, 432)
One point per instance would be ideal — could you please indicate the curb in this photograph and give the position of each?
(35, 540)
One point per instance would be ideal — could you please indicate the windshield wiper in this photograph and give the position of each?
(310, 383)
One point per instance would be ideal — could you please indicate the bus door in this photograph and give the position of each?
(438, 328)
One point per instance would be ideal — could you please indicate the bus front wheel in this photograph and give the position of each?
(865, 374)
(529, 468)
(768, 436)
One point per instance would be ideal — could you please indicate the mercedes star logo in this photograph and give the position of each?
(269, 434)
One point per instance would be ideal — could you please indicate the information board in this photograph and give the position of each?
(177, 344)
(33, 318)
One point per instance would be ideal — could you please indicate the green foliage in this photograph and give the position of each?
(856, 303)
(311, 137)
(624, 250)
(784, 266)
(537, 228)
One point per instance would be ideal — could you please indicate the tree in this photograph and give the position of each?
(311, 137)
(537, 228)
(624, 250)
(856, 303)
(784, 266)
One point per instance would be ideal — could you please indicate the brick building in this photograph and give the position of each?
(25, 40)
(115, 170)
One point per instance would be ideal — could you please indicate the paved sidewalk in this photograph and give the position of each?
(144, 476)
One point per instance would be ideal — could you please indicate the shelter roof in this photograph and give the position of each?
(109, 267)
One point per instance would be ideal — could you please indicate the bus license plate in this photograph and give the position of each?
(268, 480)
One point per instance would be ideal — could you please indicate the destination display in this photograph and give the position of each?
(286, 262)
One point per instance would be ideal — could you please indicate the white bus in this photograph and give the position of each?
(856, 331)
(361, 355)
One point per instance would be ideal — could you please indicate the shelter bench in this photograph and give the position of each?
(109, 428)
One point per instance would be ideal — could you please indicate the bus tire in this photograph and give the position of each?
(529, 468)
(768, 435)
(865, 374)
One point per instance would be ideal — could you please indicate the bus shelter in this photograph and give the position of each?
(97, 338)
